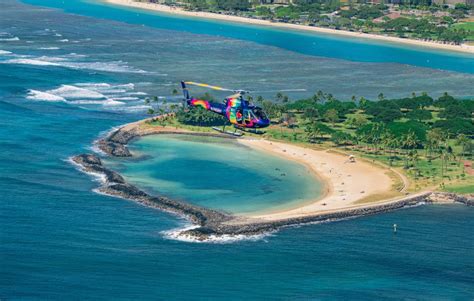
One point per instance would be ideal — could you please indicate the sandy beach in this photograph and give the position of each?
(346, 183)
(179, 11)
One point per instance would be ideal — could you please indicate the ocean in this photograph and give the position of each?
(69, 76)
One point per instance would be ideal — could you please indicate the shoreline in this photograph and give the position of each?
(212, 223)
(463, 48)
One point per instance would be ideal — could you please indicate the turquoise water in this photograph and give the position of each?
(218, 173)
(258, 59)
(59, 240)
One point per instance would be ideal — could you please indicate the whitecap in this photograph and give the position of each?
(4, 52)
(9, 39)
(73, 92)
(126, 98)
(118, 67)
(51, 58)
(49, 48)
(132, 109)
(111, 102)
(64, 40)
(43, 96)
(92, 85)
(33, 62)
(86, 102)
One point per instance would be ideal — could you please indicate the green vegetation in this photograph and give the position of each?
(427, 139)
(411, 19)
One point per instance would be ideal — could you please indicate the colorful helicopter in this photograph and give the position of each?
(240, 112)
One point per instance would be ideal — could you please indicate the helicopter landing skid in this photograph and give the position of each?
(236, 134)
(253, 131)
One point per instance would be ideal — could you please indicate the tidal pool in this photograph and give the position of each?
(216, 173)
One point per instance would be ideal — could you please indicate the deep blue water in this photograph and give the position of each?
(59, 240)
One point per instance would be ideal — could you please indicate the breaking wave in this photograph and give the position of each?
(110, 97)
(73, 92)
(178, 234)
(68, 61)
(33, 62)
(43, 96)
(10, 39)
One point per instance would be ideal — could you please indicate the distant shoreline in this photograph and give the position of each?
(228, 18)
(347, 185)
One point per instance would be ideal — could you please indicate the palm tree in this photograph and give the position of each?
(279, 96)
(409, 141)
(435, 138)
(381, 96)
(464, 142)
(312, 131)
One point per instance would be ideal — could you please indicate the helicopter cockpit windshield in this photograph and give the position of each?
(259, 113)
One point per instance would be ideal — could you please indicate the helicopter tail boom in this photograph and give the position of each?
(185, 91)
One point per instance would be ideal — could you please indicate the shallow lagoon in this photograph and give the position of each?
(217, 173)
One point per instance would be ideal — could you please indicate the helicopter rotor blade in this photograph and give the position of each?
(280, 90)
(240, 92)
(209, 86)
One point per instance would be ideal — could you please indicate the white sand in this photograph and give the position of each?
(171, 10)
(345, 182)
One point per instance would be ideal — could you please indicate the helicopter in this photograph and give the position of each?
(239, 111)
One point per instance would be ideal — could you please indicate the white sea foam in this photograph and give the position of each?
(53, 59)
(177, 234)
(114, 67)
(33, 62)
(43, 96)
(92, 85)
(49, 48)
(111, 102)
(67, 61)
(9, 39)
(86, 102)
(64, 40)
(73, 92)
(131, 109)
(126, 98)
(99, 177)
(4, 52)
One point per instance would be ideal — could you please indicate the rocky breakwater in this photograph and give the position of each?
(115, 185)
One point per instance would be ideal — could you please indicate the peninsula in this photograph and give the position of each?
(352, 188)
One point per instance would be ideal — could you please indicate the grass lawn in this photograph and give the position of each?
(468, 26)
(463, 189)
